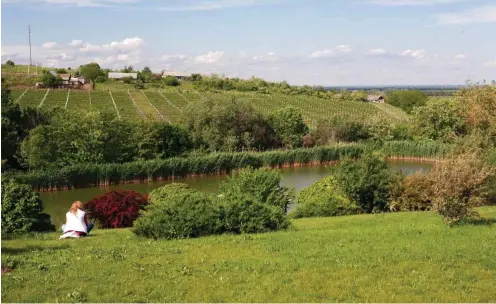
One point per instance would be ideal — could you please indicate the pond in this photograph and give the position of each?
(57, 203)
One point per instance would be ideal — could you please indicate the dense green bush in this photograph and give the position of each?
(439, 120)
(176, 213)
(229, 126)
(171, 81)
(243, 214)
(101, 79)
(368, 182)
(261, 185)
(22, 209)
(407, 99)
(289, 126)
(69, 138)
(339, 129)
(323, 199)
(253, 201)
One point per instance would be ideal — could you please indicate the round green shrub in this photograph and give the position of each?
(177, 212)
(242, 214)
(22, 209)
(323, 199)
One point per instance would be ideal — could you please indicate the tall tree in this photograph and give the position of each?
(289, 126)
(91, 71)
(11, 128)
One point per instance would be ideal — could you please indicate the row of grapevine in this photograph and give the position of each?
(169, 104)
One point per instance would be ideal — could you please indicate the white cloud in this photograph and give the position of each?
(416, 54)
(210, 57)
(60, 57)
(123, 57)
(49, 45)
(337, 51)
(90, 48)
(483, 14)
(76, 43)
(460, 57)
(378, 51)
(177, 57)
(491, 64)
(126, 45)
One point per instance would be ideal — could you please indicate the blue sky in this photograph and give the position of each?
(333, 42)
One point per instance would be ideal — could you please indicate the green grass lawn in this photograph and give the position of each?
(401, 257)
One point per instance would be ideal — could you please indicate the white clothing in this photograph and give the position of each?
(75, 222)
(71, 234)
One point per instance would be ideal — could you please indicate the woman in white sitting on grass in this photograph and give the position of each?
(76, 222)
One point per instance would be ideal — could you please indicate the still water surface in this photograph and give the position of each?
(57, 203)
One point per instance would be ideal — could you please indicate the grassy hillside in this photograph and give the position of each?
(401, 257)
(169, 104)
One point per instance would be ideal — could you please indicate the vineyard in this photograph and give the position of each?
(170, 105)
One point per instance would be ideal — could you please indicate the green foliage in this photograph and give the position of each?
(87, 175)
(439, 120)
(228, 126)
(101, 79)
(368, 182)
(418, 149)
(243, 214)
(159, 140)
(9, 63)
(289, 126)
(22, 209)
(338, 129)
(91, 71)
(323, 199)
(196, 77)
(139, 84)
(11, 127)
(171, 81)
(260, 185)
(69, 138)
(128, 69)
(127, 80)
(49, 80)
(178, 213)
(407, 99)
(146, 75)
(61, 71)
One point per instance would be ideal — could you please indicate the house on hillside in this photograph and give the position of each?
(71, 82)
(119, 76)
(65, 78)
(178, 75)
(376, 98)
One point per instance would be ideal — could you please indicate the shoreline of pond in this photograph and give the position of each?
(398, 159)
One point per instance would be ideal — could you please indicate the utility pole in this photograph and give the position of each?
(30, 59)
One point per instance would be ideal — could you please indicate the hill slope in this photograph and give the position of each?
(169, 104)
(401, 257)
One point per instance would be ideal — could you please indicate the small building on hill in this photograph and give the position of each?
(119, 76)
(178, 75)
(376, 98)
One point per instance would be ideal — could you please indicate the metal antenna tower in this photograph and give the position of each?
(30, 58)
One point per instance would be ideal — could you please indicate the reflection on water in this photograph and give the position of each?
(57, 203)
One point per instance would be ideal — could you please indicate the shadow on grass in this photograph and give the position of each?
(481, 221)
(27, 249)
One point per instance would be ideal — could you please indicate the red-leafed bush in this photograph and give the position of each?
(116, 209)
